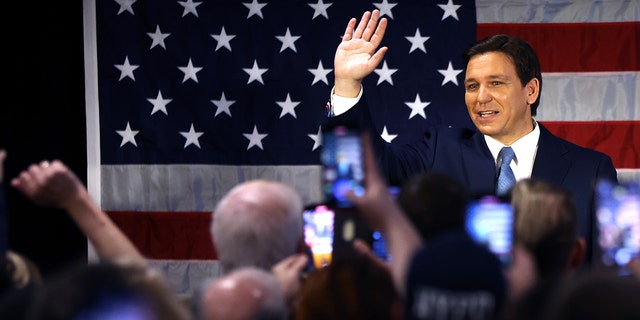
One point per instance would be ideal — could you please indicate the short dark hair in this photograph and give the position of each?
(434, 202)
(519, 51)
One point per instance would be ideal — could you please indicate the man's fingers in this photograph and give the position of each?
(380, 29)
(372, 25)
(377, 57)
(348, 32)
(362, 25)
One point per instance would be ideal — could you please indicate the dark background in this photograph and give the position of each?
(42, 116)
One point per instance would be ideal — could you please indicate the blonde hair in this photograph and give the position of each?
(22, 270)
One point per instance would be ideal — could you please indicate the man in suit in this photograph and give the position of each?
(503, 83)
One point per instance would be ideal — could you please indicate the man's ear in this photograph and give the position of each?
(533, 90)
(576, 257)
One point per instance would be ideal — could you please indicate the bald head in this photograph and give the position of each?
(244, 294)
(257, 223)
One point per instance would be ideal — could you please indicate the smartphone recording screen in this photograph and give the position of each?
(618, 221)
(490, 223)
(342, 165)
(318, 234)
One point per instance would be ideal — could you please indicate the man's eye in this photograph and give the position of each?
(472, 86)
(496, 83)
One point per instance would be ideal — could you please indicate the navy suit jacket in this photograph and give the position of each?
(464, 155)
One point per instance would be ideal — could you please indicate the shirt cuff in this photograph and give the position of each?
(340, 105)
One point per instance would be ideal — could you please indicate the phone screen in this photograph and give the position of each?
(342, 165)
(318, 234)
(618, 221)
(329, 234)
(490, 223)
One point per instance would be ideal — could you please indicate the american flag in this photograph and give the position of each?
(186, 99)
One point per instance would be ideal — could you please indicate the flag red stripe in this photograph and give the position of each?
(168, 235)
(618, 139)
(577, 47)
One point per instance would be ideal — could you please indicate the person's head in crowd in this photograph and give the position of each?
(547, 247)
(257, 223)
(103, 291)
(434, 202)
(546, 224)
(20, 271)
(452, 276)
(350, 288)
(595, 294)
(246, 293)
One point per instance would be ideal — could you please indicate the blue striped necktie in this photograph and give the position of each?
(506, 178)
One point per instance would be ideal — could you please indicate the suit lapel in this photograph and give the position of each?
(550, 164)
(479, 166)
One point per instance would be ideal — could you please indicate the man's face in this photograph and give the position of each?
(497, 103)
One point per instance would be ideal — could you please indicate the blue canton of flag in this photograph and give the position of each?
(245, 83)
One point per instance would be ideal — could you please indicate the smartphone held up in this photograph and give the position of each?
(342, 164)
(490, 223)
(618, 222)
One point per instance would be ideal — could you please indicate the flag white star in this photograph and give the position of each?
(255, 8)
(190, 72)
(450, 75)
(288, 41)
(385, 8)
(288, 106)
(320, 8)
(223, 39)
(417, 107)
(128, 135)
(158, 37)
(417, 42)
(385, 73)
(125, 5)
(223, 105)
(386, 136)
(255, 138)
(255, 73)
(450, 10)
(126, 69)
(192, 137)
(189, 7)
(317, 138)
(320, 74)
(159, 103)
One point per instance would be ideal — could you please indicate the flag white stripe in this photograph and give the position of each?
(544, 11)
(172, 187)
(590, 96)
(194, 187)
(186, 276)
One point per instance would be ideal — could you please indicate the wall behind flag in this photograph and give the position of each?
(42, 117)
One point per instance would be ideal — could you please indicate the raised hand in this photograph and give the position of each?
(358, 53)
(49, 184)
